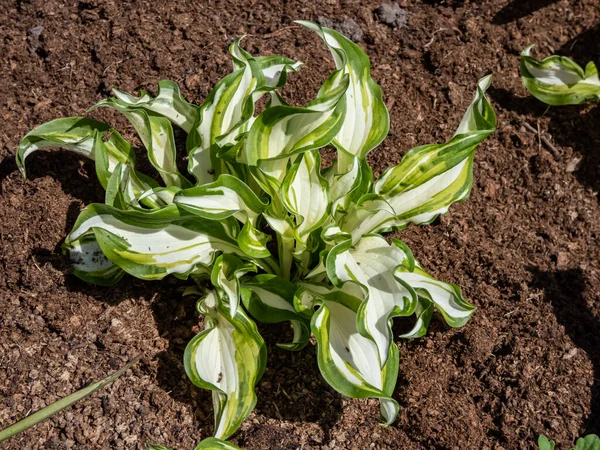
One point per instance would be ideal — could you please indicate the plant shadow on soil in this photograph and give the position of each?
(76, 175)
(7, 167)
(573, 126)
(291, 389)
(564, 290)
(517, 9)
(584, 47)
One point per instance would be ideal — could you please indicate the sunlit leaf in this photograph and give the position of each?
(225, 277)
(156, 133)
(428, 179)
(557, 80)
(228, 358)
(168, 103)
(446, 297)
(281, 131)
(366, 122)
(151, 245)
(216, 444)
(371, 264)
(226, 197)
(305, 194)
(79, 135)
(228, 110)
(348, 360)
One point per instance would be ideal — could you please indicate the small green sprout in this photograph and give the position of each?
(590, 442)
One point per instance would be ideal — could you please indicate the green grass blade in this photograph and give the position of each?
(63, 403)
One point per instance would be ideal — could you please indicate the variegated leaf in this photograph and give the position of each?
(119, 191)
(307, 296)
(371, 263)
(424, 313)
(342, 183)
(228, 358)
(282, 130)
(310, 293)
(332, 234)
(269, 175)
(348, 187)
(115, 154)
(90, 264)
(156, 133)
(284, 229)
(127, 189)
(226, 197)
(305, 194)
(273, 68)
(428, 179)
(222, 111)
(168, 103)
(446, 297)
(82, 136)
(366, 122)
(228, 110)
(269, 299)
(73, 133)
(159, 197)
(216, 444)
(557, 80)
(151, 245)
(225, 277)
(348, 360)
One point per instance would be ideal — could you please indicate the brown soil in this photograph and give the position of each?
(523, 247)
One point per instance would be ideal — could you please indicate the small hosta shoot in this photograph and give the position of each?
(590, 442)
(277, 237)
(557, 80)
(206, 444)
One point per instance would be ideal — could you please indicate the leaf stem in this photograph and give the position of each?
(285, 247)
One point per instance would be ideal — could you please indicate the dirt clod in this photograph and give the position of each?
(392, 15)
(35, 31)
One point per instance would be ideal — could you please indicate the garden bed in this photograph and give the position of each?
(523, 247)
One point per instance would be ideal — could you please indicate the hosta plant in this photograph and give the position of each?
(273, 235)
(557, 80)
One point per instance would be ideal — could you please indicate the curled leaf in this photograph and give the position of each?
(557, 80)
(347, 359)
(228, 358)
(428, 179)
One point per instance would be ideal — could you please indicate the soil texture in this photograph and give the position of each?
(523, 247)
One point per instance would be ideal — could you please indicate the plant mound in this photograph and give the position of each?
(253, 179)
